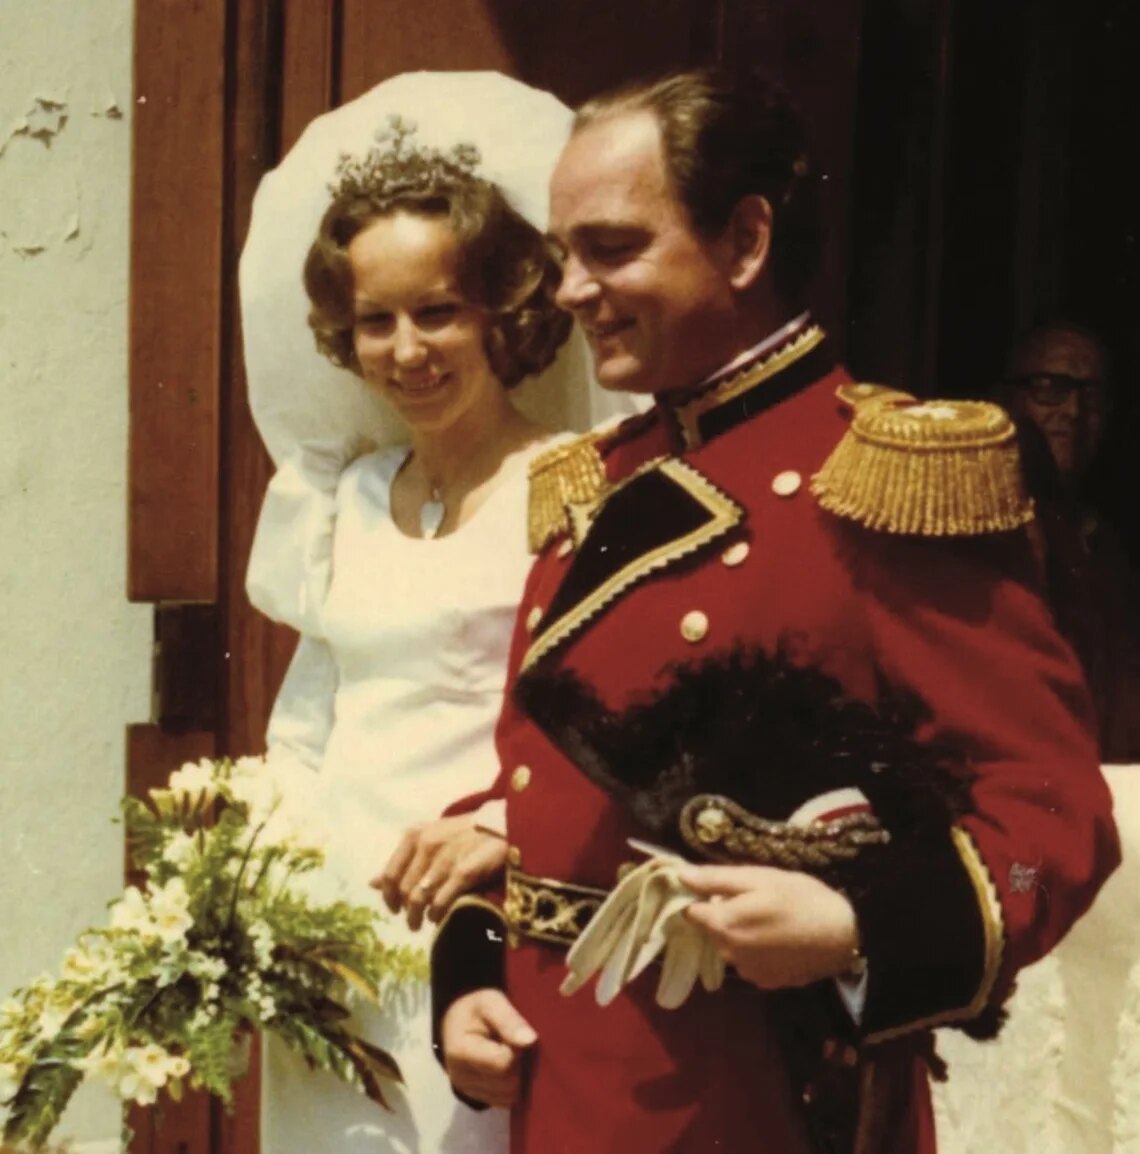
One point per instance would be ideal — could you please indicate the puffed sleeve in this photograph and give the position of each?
(290, 565)
(962, 626)
(287, 579)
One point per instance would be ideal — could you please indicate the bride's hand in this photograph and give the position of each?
(436, 862)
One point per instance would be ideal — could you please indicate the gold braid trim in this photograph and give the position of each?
(548, 910)
(570, 474)
(719, 828)
(930, 468)
(688, 413)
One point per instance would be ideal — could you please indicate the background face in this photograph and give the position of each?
(1058, 383)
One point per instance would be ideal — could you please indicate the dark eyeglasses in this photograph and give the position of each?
(1054, 388)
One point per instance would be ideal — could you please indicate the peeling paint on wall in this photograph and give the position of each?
(41, 189)
(75, 654)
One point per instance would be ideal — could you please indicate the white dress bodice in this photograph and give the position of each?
(392, 698)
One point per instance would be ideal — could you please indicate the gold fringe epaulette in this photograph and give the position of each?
(928, 468)
(572, 474)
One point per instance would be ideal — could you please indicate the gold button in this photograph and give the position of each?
(520, 779)
(735, 554)
(533, 618)
(786, 483)
(694, 625)
(514, 855)
(566, 548)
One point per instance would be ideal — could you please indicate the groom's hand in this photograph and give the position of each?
(436, 862)
(484, 1041)
(776, 927)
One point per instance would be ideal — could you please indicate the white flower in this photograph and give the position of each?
(133, 1087)
(180, 849)
(261, 792)
(205, 966)
(249, 766)
(196, 781)
(92, 959)
(130, 913)
(262, 937)
(201, 1018)
(151, 1062)
(267, 1005)
(105, 1062)
(170, 911)
(9, 1080)
(51, 1020)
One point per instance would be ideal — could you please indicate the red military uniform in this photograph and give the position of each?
(713, 543)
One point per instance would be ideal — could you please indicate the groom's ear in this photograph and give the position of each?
(749, 240)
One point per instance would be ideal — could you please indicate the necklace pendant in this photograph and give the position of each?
(431, 517)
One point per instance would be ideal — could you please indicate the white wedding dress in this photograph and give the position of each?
(392, 698)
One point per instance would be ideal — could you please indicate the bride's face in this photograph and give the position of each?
(419, 343)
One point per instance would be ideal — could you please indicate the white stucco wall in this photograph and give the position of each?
(75, 654)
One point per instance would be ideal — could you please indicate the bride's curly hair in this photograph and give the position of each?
(505, 264)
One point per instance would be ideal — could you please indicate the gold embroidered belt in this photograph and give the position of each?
(548, 910)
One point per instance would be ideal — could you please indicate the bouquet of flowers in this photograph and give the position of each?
(225, 936)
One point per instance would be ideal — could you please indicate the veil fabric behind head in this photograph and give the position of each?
(296, 394)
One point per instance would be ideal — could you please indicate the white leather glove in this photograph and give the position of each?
(641, 918)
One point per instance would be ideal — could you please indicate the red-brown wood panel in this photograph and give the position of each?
(255, 649)
(384, 37)
(813, 47)
(571, 47)
(577, 48)
(176, 299)
(309, 65)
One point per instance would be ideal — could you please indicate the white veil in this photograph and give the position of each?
(296, 394)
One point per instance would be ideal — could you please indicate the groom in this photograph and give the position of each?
(691, 580)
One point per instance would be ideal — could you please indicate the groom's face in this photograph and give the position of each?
(652, 294)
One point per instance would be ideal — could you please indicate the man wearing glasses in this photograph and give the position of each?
(1058, 390)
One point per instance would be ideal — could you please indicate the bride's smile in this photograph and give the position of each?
(419, 343)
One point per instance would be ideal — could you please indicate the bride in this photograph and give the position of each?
(430, 295)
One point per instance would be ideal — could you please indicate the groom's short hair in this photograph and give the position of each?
(724, 138)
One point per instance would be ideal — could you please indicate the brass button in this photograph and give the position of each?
(520, 779)
(566, 548)
(694, 625)
(786, 483)
(533, 618)
(735, 554)
(514, 856)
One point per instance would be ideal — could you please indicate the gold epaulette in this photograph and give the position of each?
(567, 475)
(928, 468)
